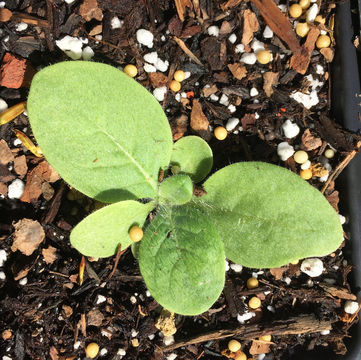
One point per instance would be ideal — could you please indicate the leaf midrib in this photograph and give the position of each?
(148, 178)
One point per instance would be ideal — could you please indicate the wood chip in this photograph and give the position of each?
(67, 310)
(226, 28)
(310, 142)
(95, 318)
(328, 54)
(47, 191)
(96, 30)
(53, 352)
(199, 121)
(278, 272)
(181, 6)
(12, 71)
(20, 166)
(5, 153)
(208, 91)
(3, 189)
(28, 235)
(247, 121)
(250, 26)
(5, 15)
(49, 254)
(89, 10)
(158, 79)
(179, 126)
(35, 179)
(230, 4)
(278, 22)
(259, 347)
(269, 79)
(184, 47)
(301, 58)
(238, 70)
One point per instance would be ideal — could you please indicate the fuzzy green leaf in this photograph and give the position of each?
(176, 190)
(194, 157)
(105, 134)
(182, 260)
(268, 216)
(100, 233)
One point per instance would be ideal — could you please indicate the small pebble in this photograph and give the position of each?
(220, 133)
(213, 31)
(3, 105)
(101, 299)
(149, 68)
(179, 75)
(161, 65)
(159, 93)
(2, 275)
(232, 38)
(246, 316)
(21, 26)
(290, 129)
(231, 108)
(103, 352)
(133, 299)
(87, 53)
(267, 33)
(172, 356)
(236, 268)
(325, 332)
(232, 123)
(224, 100)
(239, 48)
(329, 153)
(234, 345)
(16, 189)
(151, 57)
(312, 13)
(306, 165)
(351, 307)
(115, 23)
(302, 29)
(3, 257)
(295, 10)
(313, 267)
(252, 283)
(131, 70)
(92, 350)
(249, 58)
(168, 340)
(323, 41)
(175, 85)
(300, 156)
(145, 37)
(253, 92)
(304, 4)
(254, 302)
(23, 281)
(285, 151)
(121, 352)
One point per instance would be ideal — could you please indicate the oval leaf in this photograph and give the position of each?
(182, 261)
(100, 233)
(105, 134)
(194, 157)
(176, 190)
(268, 216)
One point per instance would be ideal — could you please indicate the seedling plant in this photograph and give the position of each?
(109, 138)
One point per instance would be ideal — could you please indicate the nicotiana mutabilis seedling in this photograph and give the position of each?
(109, 138)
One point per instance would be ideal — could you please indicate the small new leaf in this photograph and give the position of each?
(182, 260)
(176, 190)
(194, 157)
(101, 233)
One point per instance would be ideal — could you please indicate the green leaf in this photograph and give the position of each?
(105, 134)
(176, 190)
(182, 260)
(100, 233)
(194, 157)
(269, 216)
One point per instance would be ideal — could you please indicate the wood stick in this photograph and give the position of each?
(302, 324)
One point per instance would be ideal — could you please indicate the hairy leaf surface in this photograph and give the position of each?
(194, 157)
(105, 134)
(268, 216)
(182, 260)
(176, 190)
(100, 233)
